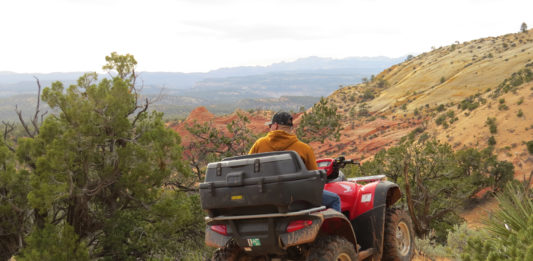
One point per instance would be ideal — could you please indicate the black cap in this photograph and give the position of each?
(281, 118)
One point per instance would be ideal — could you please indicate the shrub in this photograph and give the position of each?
(368, 95)
(382, 83)
(491, 122)
(457, 240)
(516, 79)
(363, 112)
(469, 103)
(520, 113)
(502, 107)
(450, 114)
(441, 119)
(459, 236)
(510, 229)
(492, 141)
(54, 243)
(529, 145)
(429, 248)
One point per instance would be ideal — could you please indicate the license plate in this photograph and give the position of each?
(254, 242)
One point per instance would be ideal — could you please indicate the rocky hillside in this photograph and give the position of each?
(454, 93)
(202, 115)
(467, 94)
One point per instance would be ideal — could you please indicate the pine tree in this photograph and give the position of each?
(15, 212)
(320, 124)
(100, 170)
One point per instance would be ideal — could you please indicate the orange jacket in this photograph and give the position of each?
(279, 140)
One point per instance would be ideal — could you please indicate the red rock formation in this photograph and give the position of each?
(360, 142)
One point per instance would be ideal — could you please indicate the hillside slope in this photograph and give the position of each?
(449, 93)
(450, 73)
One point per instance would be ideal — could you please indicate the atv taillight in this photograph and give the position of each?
(221, 229)
(298, 224)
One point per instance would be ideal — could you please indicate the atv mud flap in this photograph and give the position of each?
(369, 227)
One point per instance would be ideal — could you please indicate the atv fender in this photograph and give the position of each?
(336, 223)
(302, 236)
(329, 222)
(214, 239)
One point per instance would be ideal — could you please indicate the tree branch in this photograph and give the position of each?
(8, 128)
(416, 222)
(19, 113)
(35, 120)
(440, 213)
(146, 104)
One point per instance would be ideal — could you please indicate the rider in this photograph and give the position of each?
(280, 138)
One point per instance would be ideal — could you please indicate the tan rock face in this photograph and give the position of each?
(446, 76)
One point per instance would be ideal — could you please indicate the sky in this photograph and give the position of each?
(43, 36)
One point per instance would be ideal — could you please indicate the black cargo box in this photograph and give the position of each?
(272, 182)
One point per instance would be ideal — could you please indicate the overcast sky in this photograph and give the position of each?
(202, 35)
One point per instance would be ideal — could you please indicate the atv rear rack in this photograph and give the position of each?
(369, 178)
(273, 215)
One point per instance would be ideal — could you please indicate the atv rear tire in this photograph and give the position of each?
(332, 248)
(399, 241)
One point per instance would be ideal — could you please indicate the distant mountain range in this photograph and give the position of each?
(342, 71)
(312, 77)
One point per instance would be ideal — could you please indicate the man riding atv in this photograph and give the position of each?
(270, 206)
(281, 138)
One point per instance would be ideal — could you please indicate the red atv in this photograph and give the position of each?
(267, 206)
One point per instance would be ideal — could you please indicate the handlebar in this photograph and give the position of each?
(341, 162)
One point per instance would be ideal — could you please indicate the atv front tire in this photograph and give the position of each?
(332, 248)
(399, 237)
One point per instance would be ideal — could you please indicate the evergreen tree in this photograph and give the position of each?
(320, 124)
(211, 144)
(99, 175)
(15, 212)
(436, 181)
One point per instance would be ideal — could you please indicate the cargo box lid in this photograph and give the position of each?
(256, 165)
